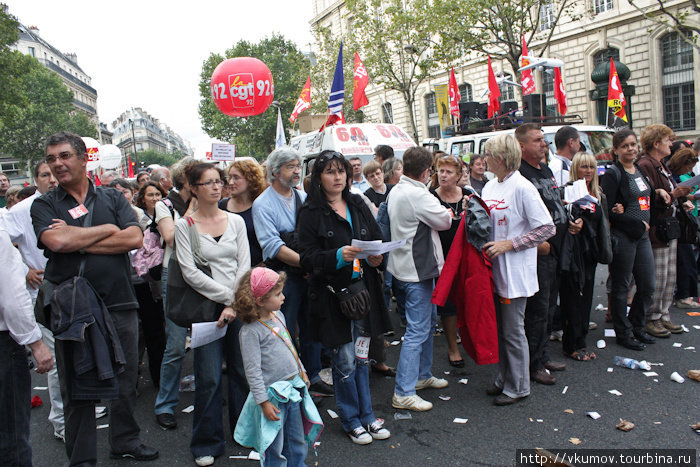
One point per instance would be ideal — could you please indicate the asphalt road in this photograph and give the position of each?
(662, 411)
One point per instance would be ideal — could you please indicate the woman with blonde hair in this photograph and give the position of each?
(519, 223)
(581, 252)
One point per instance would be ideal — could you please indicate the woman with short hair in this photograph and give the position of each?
(393, 169)
(519, 223)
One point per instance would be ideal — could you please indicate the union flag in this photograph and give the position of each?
(360, 82)
(526, 75)
(616, 98)
(304, 101)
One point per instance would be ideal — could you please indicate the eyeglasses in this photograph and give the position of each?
(292, 166)
(64, 156)
(211, 183)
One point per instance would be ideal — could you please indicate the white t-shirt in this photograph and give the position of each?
(560, 167)
(162, 212)
(516, 208)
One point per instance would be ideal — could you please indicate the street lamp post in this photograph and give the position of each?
(133, 141)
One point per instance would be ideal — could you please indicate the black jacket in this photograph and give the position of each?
(617, 190)
(320, 233)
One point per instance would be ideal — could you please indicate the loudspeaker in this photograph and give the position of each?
(468, 110)
(533, 105)
(508, 106)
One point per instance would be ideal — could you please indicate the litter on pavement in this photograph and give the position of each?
(444, 397)
(332, 413)
(694, 374)
(615, 392)
(624, 425)
(402, 416)
(188, 409)
(677, 378)
(593, 415)
(460, 420)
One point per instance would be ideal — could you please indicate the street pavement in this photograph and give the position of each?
(662, 411)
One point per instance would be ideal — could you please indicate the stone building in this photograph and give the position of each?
(149, 133)
(661, 67)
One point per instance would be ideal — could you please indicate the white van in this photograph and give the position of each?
(352, 140)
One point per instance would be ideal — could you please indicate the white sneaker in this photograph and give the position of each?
(204, 461)
(432, 382)
(60, 435)
(377, 431)
(556, 336)
(413, 402)
(360, 436)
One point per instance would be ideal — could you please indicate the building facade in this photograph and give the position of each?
(662, 68)
(137, 127)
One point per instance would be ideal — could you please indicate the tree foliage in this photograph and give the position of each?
(400, 45)
(676, 19)
(166, 159)
(34, 103)
(255, 136)
(496, 27)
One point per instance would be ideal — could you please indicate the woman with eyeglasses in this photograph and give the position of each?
(581, 253)
(681, 164)
(223, 244)
(328, 222)
(448, 171)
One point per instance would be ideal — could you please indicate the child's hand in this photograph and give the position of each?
(270, 411)
(306, 379)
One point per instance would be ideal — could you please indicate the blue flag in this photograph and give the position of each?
(335, 100)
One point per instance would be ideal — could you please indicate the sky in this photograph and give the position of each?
(149, 53)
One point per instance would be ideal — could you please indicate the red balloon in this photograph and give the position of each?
(242, 86)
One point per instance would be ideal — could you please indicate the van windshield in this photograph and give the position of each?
(597, 142)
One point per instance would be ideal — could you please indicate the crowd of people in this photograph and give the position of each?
(505, 261)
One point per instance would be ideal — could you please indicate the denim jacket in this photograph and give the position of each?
(94, 356)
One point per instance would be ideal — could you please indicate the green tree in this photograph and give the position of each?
(34, 103)
(496, 27)
(676, 18)
(399, 45)
(255, 136)
(151, 156)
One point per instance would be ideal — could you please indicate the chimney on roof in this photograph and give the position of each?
(72, 57)
(35, 30)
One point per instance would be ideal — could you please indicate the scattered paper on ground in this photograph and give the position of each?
(444, 397)
(237, 457)
(539, 420)
(650, 373)
(657, 423)
(609, 333)
(402, 416)
(569, 411)
(677, 378)
(188, 409)
(575, 441)
(624, 425)
(100, 427)
(695, 426)
(694, 374)
(696, 326)
(332, 413)
(566, 388)
(446, 372)
(593, 415)
(41, 388)
(395, 342)
(677, 344)
(254, 456)
(600, 307)
(610, 370)
(689, 348)
(460, 420)
(615, 392)
(684, 328)
(463, 381)
(656, 364)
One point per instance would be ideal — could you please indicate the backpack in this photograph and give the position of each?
(148, 260)
(383, 221)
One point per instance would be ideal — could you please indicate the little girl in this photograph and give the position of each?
(279, 418)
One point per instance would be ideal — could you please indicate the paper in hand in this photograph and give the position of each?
(375, 247)
(578, 193)
(204, 333)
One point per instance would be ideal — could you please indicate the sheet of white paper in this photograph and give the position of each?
(677, 344)
(566, 388)
(615, 392)
(188, 409)
(254, 456)
(444, 398)
(578, 193)
(395, 342)
(610, 370)
(41, 388)
(593, 415)
(204, 333)
(463, 381)
(650, 373)
(376, 247)
(696, 326)
(332, 413)
(689, 348)
(609, 333)
(691, 181)
(460, 420)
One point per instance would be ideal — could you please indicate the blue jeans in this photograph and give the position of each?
(15, 394)
(416, 356)
(175, 338)
(207, 423)
(398, 293)
(295, 310)
(351, 383)
(289, 447)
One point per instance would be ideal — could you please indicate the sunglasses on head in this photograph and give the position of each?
(330, 156)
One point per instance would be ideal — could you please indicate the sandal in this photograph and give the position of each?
(578, 355)
(589, 355)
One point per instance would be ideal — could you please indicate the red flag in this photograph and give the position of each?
(526, 75)
(97, 181)
(131, 168)
(494, 93)
(616, 98)
(455, 96)
(304, 101)
(360, 82)
(559, 92)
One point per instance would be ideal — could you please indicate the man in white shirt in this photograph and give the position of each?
(17, 329)
(358, 180)
(416, 215)
(568, 143)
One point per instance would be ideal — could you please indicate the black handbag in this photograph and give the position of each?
(690, 227)
(668, 229)
(184, 305)
(354, 300)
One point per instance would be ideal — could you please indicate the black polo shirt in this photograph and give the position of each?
(108, 274)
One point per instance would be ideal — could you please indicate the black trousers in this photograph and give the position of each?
(15, 394)
(576, 309)
(539, 312)
(153, 325)
(124, 432)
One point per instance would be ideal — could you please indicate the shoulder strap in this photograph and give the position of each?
(87, 222)
(194, 243)
(290, 347)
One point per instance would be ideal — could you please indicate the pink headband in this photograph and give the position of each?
(262, 280)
